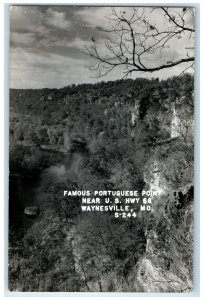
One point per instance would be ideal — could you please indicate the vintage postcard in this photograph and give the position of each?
(101, 148)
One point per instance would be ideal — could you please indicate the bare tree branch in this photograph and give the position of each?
(173, 19)
(138, 42)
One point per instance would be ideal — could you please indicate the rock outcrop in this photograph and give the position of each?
(32, 211)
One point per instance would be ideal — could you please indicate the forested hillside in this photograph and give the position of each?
(120, 135)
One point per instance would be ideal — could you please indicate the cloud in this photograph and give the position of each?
(24, 39)
(95, 16)
(23, 18)
(76, 43)
(57, 19)
(39, 70)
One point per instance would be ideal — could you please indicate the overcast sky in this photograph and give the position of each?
(46, 44)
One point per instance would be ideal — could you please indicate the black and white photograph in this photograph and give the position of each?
(101, 148)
